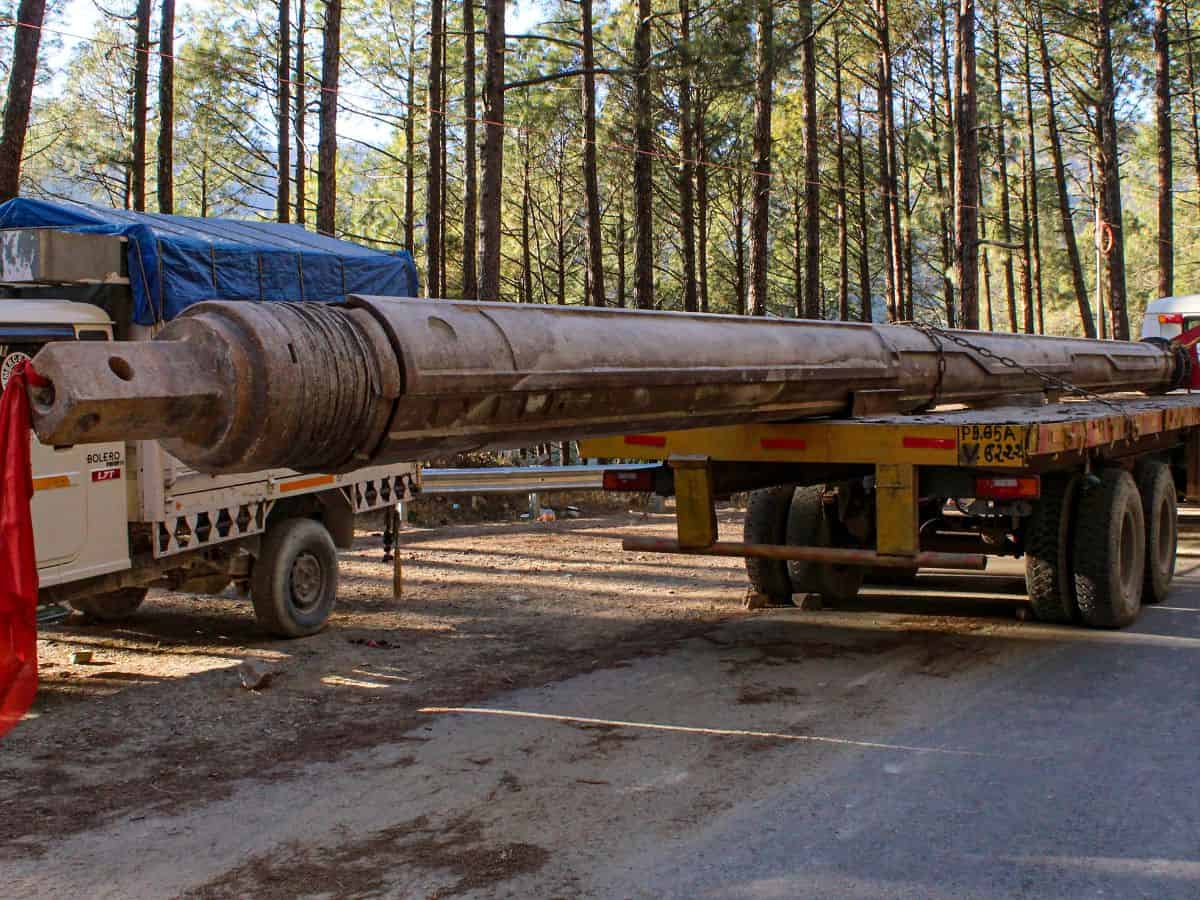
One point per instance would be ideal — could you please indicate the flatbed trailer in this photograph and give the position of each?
(1085, 490)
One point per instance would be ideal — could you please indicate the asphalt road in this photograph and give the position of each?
(924, 745)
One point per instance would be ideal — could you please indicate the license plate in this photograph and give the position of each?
(991, 445)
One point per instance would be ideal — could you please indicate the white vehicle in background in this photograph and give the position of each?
(1169, 317)
(111, 520)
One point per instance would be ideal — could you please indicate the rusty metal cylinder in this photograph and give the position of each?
(324, 388)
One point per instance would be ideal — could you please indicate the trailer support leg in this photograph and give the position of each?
(896, 519)
(695, 514)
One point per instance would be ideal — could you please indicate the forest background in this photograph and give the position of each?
(1018, 165)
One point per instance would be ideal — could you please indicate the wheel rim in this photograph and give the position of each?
(307, 577)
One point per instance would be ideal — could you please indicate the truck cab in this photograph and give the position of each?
(112, 520)
(1169, 317)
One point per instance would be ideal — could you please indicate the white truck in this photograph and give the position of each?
(111, 520)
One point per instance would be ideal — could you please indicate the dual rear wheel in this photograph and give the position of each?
(799, 517)
(1097, 549)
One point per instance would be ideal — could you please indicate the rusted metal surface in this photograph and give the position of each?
(838, 556)
(380, 379)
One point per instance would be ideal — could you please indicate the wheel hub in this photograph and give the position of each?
(307, 580)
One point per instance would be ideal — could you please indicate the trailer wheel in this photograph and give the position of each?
(766, 523)
(114, 606)
(1049, 578)
(1160, 508)
(294, 581)
(803, 530)
(1109, 551)
(810, 525)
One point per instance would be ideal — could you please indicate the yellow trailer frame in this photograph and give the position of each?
(1002, 440)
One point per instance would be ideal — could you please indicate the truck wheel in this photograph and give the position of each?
(1160, 509)
(836, 584)
(111, 607)
(1048, 575)
(810, 525)
(766, 523)
(803, 530)
(1109, 551)
(294, 581)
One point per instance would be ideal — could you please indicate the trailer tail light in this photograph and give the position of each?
(629, 480)
(1023, 487)
(1170, 318)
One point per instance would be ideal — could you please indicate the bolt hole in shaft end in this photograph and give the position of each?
(120, 368)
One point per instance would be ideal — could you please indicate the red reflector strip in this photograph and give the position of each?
(784, 444)
(928, 443)
(997, 488)
(646, 440)
(618, 480)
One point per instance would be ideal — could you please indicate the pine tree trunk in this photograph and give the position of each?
(301, 114)
(141, 78)
(21, 76)
(433, 167)
(165, 182)
(966, 218)
(739, 243)
(1162, 107)
(812, 166)
(906, 168)
(1194, 95)
(410, 138)
(283, 115)
(887, 199)
(444, 172)
(864, 245)
(1034, 201)
(760, 211)
(560, 244)
(591, 182)
(1065, 212)
(622, 236)
(888, 172)
(939, 181)
(1110, 177)
(526, 261)
(1006, 237)
(1026, 256)
(985, 262)
(702, 211)
(643, 173)
(842, 225)
(949, 104)
(798, 256)
(687, 168)
(470, 278)
(492, 158)
(331, 58)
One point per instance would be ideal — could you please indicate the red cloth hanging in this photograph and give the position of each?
(18, 560)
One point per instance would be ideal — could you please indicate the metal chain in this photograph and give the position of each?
(936, 334)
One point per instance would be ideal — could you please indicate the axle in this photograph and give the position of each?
(235, 387)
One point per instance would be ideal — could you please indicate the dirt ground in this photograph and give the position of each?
(544, 715)
(158, 721)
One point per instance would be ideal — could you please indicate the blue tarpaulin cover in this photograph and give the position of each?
(175, 261)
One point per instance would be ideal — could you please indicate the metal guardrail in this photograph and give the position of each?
(517, 479)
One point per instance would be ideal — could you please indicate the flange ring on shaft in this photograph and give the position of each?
(244, 386)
